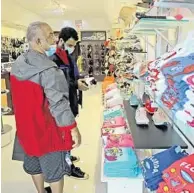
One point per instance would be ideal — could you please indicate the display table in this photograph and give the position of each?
(145, 138)
(114, 185)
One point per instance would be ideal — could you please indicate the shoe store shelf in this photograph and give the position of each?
(151, 137)
(134, 51)
(175, 3)
(150, 25)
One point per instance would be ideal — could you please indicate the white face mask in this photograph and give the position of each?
(69, 49)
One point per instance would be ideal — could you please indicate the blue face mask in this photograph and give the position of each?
(51, 50)
(69, 49)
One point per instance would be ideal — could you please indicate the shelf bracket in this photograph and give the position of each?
(151, 45)
(192, 10)
(164, 38)
(172, 4)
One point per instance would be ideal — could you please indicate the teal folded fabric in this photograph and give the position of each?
(113, 114)
(121, 162)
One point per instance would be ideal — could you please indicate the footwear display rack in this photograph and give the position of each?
(93, 52)
(13, 46)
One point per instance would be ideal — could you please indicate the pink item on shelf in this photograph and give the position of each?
(112, 93)
(115, 107)
(123, 140)
(117, 130)
(190, 80)
(115, 100)
(115, 122)
(191, 123)
(111, 87)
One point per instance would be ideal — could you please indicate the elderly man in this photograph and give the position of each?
(46, 126)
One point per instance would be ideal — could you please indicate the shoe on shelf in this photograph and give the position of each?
(134, 102)
(145, 98)
(149, 108)
(141, 116)
(74, 159)
(159, 118)
(78, 174)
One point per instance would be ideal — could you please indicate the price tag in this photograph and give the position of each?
(68, 160)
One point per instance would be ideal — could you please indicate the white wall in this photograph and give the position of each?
(14, 15)
(11, 32)
(88, 24)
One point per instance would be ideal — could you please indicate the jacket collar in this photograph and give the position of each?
(63, 55)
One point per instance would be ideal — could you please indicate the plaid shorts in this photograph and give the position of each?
(53, 166)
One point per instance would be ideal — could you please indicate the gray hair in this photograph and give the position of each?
(35, 29)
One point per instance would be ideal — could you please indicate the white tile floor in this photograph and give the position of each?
(15, 180)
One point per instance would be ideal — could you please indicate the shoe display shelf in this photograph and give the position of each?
(175, 3)
(6, 129)
(134, 51)
(151, 26)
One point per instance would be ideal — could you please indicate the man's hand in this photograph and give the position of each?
(76, 137)
(81, 85)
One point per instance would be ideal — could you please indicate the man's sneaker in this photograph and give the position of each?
(4, 91)
(5, 110)
(78, 174)
(74, 159)
(141, 116)
(48, 190)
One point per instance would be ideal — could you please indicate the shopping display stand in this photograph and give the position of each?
(6, 129)
(151, 138)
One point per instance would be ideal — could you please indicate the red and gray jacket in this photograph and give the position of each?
(41, 104)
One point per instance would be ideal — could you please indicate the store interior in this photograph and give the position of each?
(137, 122)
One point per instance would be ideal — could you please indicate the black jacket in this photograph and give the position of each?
(68, 70)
